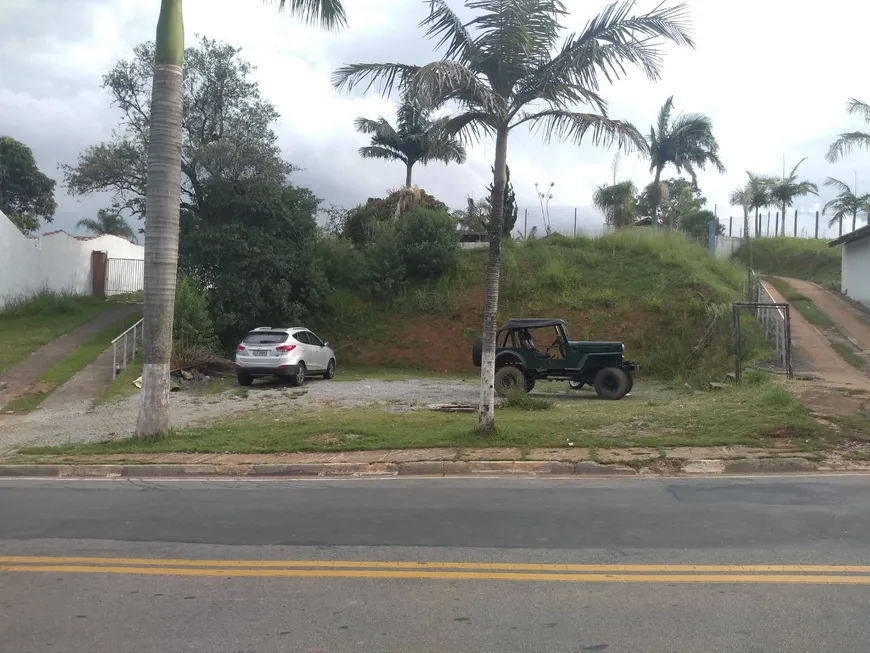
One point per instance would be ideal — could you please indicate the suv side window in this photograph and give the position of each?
(301, 336)
(313, 339)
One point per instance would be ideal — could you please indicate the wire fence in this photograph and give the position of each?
(569, 221)
(797, 224)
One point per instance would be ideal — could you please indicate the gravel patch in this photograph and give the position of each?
(77, 423)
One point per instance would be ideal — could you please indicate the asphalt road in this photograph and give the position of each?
(401, 566)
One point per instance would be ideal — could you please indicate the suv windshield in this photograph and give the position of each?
(265, 337)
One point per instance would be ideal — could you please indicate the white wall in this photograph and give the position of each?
(726, 246)
(56, 261)
(856, 270)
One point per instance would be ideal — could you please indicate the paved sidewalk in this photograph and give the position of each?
(20, 377)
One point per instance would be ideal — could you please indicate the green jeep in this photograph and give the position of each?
(519, 362)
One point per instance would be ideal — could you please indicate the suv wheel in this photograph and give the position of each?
(298, 377)
(612, 383)
(509, 378)
(245, 379)
(330, 370)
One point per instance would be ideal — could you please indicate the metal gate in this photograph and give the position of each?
(124, 276)
(775, 320)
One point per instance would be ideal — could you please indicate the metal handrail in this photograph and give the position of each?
(137, 330)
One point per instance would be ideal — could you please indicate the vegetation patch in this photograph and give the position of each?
(28, 322)
(798, 258)
(849, 354)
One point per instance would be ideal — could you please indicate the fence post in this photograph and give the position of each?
(776, 225)
(795, 223)
(730, 225)
(768, 223)
(575, 222)
(525, 224)
(817, 224)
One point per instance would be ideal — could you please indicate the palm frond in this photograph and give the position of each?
(574, 126)
(329, 14)
(382, 152)
(663, 121)
(468, 127)
(385, 75)
(442, 81)
(91, 225)
(846, 143)
(854, 106)
(380, 127)
(840, 186)
(443, 23)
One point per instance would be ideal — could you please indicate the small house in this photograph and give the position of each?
(855, 265)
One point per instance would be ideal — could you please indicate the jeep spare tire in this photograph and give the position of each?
(477, 351)
(508, 379)
(612, 383)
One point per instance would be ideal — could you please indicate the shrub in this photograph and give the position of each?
(386, 274)
(192, 326)
(343, 265)
(521, 400)
(428, 243)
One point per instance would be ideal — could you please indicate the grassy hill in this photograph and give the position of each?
(798, 258)
(660, 293)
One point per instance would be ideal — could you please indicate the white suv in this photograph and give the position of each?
(289, 352)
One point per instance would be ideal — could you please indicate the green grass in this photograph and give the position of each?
(799, 258)
(803, 304)
(27, 323)
(64, 370)
(742, 414)
(849, 355)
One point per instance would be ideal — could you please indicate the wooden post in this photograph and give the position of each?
(575, 222)
(817, 224)
(795, 223)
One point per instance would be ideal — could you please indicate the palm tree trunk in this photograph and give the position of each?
(855, 220)
(162, 202)
(486, 410)
(657, 189)
(408, 168)
(758, 224)
(783, 218)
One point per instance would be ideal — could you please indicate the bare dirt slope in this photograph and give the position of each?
(849, 321)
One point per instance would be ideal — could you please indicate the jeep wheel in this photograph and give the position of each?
(612, 383)
(530, 384)
(477, 351)
(509, 378)
(575, 385)
(630, 381)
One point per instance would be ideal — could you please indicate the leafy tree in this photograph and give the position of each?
(618, 203)
(251, 246)
(163, 198)
(500, 68)
(847, 141)
(845, 204)
(358, 223)
(742, 197)
(26, 193)
(108, 222)
(784, 190)
(696, 225)
(417, 138)
(679, 197)
(686, 142)
(758, 187)
(226, 129)
(475, 216)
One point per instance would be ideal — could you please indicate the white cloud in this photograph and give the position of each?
(775, 87)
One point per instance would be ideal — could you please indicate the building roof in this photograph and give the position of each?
(858, 234)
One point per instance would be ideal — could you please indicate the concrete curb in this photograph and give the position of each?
(523, 468)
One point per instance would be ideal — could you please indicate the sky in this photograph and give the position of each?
(775, 88)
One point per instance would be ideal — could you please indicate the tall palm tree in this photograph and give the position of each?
(847, 141)
(758, 187)
(163, 195)
(742, 197)
(784, 190)
(108, 222)
(845, 204)
(686, 142)
(618, 203)
(501, 69)
(417, 138)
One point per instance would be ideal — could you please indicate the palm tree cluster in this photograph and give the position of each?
(685, 141)
(108, 222)
(848, 202)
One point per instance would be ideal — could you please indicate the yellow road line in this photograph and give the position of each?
(442, 575)
(490, 566)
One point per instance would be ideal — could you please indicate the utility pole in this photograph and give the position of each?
(525, 224)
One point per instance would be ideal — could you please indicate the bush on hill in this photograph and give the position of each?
(799, 258)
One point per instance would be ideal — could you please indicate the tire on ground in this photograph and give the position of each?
(509, 378)
(530, 384)
(576, 385)
(477, 351)
(612, 383)
(630, 382)
(245, 379)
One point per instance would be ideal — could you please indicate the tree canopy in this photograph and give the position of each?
(26, 193)
(108, 222)
(226, 129)
(848, 141)
(416, 138)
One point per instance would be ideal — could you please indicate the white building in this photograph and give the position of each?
(855, 282)
(64, 263)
